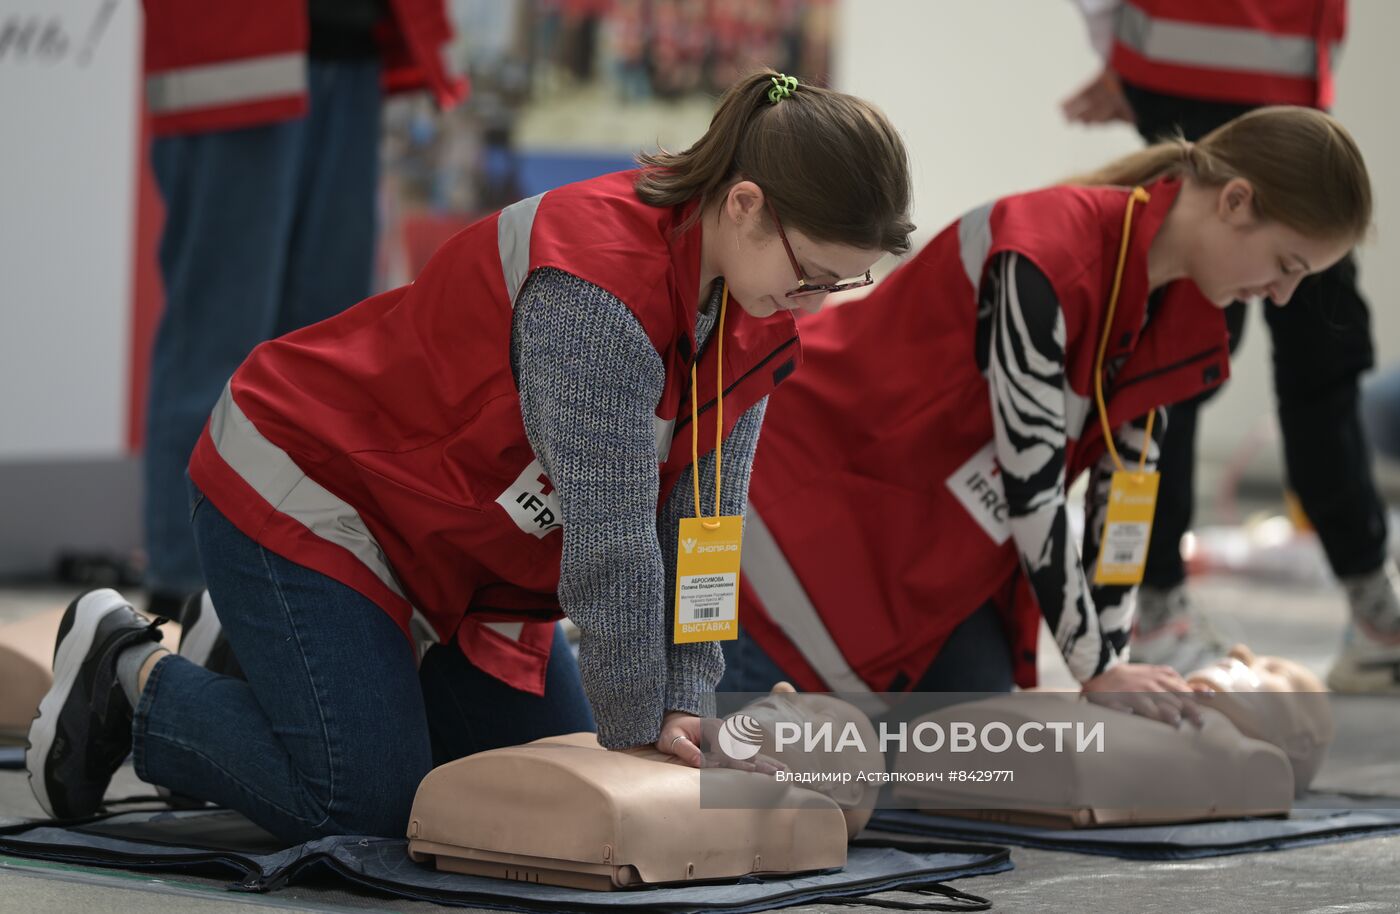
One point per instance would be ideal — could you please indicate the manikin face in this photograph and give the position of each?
(1237, 256)
(1275, 700)
(749, 253)
(784, 703)
(1242, 671)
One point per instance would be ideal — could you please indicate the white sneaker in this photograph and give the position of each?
(1365, 666)
(1170, 631)
(1374, 599)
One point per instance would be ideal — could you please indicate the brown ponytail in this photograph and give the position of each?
(1306, 170)
(830, 163)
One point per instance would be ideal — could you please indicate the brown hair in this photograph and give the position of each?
(1306, 170)
(830, 163)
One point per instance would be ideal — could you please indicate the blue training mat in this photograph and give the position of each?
(223, 843)
(1325, 819)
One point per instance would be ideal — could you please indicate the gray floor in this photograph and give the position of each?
(1299, 622)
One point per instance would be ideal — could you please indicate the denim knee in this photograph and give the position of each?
(381, 810)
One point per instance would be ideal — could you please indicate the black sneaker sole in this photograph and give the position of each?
(75, 637)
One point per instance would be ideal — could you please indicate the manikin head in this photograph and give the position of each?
(786, 704)
(1275, 700)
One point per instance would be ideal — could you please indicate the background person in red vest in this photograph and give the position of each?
(907, 526)
(266, 152)
(509, 435)
(1185, 67)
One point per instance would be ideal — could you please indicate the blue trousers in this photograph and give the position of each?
(267, 229)
(334, 727)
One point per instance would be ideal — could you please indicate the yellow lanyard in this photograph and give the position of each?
(1137, 196)
(719, 416)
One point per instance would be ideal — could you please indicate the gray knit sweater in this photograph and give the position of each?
(589, 382)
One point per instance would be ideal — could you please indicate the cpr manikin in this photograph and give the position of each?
(1263, 735)
(564, 811)
(25, 670)
(816, 710)
(1301, 725)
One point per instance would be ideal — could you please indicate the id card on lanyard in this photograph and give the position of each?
(1132, 495)
(707, 555)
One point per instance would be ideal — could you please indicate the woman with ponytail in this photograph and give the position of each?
(908, 526)
(514, 435)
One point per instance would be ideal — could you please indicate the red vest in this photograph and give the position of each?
(875, 523)
(384, 447)
(1260, 52)
(220, 66)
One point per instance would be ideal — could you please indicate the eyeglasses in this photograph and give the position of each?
(805, 288)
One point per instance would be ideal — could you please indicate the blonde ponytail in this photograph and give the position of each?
(1306, 170)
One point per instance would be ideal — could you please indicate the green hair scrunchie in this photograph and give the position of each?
(783, 85)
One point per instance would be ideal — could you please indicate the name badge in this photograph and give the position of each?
(707, 579)
(1132, 501)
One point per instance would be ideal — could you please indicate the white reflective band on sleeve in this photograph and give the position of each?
(235, 82)
(974, 241)
(513, 227)
(767, 570)
(1216, 47)
(273, 475)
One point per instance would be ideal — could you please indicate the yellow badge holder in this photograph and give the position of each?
(1132, 495)
(707, 556)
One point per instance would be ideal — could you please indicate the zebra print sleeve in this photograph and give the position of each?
(1023, 336)
(1116, 603)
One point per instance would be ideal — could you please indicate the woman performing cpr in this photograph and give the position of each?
(516, 432)
(908, 525)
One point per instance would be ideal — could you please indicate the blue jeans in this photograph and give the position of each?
(975, 658)
(267, 229)
(333, 729)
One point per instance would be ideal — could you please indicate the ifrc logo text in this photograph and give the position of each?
(977, 485)
(532, 502)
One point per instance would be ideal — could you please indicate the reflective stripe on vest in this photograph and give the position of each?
(785, 600)
(271, 472)
(510, 630)
(513, 228)
(974, 244)
(217, 85)
(1216, 47)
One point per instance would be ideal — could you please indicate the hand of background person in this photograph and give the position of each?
(1101, 101)
(1156, 692)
